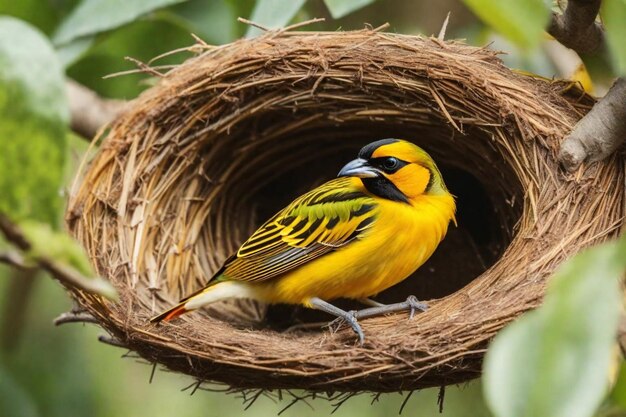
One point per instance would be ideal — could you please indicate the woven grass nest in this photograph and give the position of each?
(232, 135)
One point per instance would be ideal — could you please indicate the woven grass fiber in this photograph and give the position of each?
(233, 134)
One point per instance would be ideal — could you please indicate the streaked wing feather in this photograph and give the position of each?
(320, 221)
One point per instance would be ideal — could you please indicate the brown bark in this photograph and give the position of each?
(90, 112)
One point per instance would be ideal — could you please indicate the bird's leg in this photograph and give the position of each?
(411, 303)
(347, 316)
(370, 302)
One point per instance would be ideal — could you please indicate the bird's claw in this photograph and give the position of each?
(414, 305)
(350, 319)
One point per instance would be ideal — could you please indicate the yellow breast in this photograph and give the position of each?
(400, 241)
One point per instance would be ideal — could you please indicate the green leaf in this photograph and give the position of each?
(213, 21)
(340, 8)
(58, 246)
(73, 51)
(618, 395)
(95, 16)
(554, 361)
(37, 13)
(62, 249)
(241, 8)
(521, 21)
(273, 14)
(34, 121)
(614, 18)
(106, 55)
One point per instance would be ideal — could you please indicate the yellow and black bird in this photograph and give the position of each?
(351, 237)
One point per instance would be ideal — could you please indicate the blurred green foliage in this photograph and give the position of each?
(107, 55)
(34, 146)
(43, 14)
(618, 395)
(555, 361)
(614, 17)
(522, 21)
(213, 21)
(340, 8)
(91, 17)
(65, 371)
(273, 14)
(34, 118)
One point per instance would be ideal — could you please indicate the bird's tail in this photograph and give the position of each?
(179, 309)
(214, 292)
(170, 314)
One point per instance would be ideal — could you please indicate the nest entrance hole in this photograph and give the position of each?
(488, 193)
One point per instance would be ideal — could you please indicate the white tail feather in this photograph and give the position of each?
(218, 292)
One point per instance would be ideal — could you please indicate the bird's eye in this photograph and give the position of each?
(389, 164)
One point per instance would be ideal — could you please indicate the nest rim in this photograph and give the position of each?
(521, 117)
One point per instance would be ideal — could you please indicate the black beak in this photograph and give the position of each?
(358, 168)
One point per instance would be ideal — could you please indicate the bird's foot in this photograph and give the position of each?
(351, 320)
(342, 315)
(412, 304)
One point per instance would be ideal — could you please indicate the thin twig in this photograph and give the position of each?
(143, 67)
(250, 402)
(13, 259)
(196, 387)
(301, 24)
(441, 398)
(406, 400)
(73, 317)
(110, 340)
(13, 234)
(343, 398)
(288, 406)
(154, 367)
(199, 41)
(251, 23)
(196, 383)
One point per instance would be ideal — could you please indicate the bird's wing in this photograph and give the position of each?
(320, 221)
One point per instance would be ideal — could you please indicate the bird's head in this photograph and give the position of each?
(396, 169)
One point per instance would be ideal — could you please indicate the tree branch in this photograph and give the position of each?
(600, 132)
(65, 274)
(75, 317)
(603, 129)
(577, 28)
(13, 233)
(12, 258)
(89, 112)
(113, 341)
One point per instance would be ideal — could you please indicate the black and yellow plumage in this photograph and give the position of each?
(315, 224)
(352, 237)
